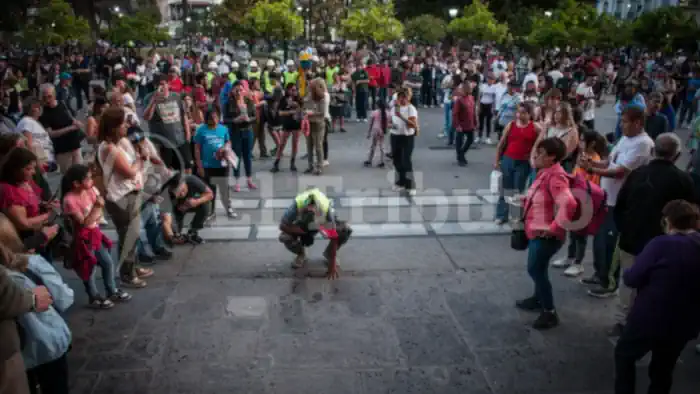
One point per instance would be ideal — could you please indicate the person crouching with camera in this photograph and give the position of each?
(310, 213)
(188, 193)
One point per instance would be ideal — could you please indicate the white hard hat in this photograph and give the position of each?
(290, 63)
(315, 59)
(234, 65)
(118, 67)
(404, 58)
(213, 66)
(253, 64)
(270, 63)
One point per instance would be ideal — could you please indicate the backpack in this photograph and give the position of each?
(591, 207)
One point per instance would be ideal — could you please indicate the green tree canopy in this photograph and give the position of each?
(275, 20)
(142, 26)
(666, 28)
(571, 24)
(230, 19)
(478, 23)
(372, 20)
(54, 24)
(426, 29)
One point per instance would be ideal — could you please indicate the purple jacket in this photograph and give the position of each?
(666, 275)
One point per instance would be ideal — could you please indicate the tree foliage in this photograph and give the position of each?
(54, 23)
(275, 20)
(666, 28)
(372, 20)
(324, 15)
(572, 24)
(142, 26)
(478, 23)
(229, 19)
(426, 29)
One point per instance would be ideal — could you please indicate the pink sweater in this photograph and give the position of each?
(549, 190)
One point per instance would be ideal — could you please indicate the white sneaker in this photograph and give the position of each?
(561, 263)
(326, 163)
(476, 140)
(411, 192)
(489, 141)
(397, 188)
(574, 270)
(499, 222)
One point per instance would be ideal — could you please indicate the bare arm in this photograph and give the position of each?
(122, 166)
(18, 215)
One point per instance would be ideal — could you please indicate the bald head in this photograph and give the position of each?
(667, 146)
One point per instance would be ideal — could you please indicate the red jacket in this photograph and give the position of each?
(549, 205)
(464, 113)
(373, 72)
(87, 241)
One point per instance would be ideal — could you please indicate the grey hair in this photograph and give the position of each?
(667, 146)
(46, 88)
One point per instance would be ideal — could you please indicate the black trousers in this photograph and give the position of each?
(485, 119)
(402, 155)
(664, 355)
(200, 216)
(52, 378)
(464, 141)
(217, 179)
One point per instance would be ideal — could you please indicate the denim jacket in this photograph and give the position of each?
(46, 335)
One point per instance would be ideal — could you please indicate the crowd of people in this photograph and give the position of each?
(206, 114)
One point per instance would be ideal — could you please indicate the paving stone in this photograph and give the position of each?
(107, 362)
(82, 383)
(469, 228)
(420, 380)
(447, 200)
(548, 370)
(124, 382)
(326, 381)
(373, 201)
(431, 340)
(410, 295)
(211, 341)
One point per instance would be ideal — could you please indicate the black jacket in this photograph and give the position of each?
(642, 198)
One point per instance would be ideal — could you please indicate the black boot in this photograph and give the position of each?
(546, 320)
(276, 166)
(292, 166)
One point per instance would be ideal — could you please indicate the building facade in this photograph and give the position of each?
(630, 9)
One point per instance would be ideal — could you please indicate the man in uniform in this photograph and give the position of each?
(311, 213)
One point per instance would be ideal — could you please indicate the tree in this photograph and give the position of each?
(571, 24)
(142, 26)
(230, 19)
(426, 29)
(54, 24)
(275, 20)
(323, 15)
(666, 28)
(611, 32)
(372, 21)
(479, 24)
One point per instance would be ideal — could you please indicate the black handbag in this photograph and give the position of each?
(518, 238)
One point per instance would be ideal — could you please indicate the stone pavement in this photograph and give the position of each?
(419, 308)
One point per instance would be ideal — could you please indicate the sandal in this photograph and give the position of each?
(134, 282)
(179, 239)
(144, 272)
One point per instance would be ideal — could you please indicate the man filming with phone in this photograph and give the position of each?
(167, 121)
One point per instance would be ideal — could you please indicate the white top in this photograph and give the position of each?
(488, 93)
(589, 104)
(117, 185)
(326, 106)
(630, 153)
(399, 127)
(128, 99)
(501, 89)
(556, 75)
(530, 77)
(131, 116)
(41, 142)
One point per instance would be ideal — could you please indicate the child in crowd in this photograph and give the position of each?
(378, 125)
(594, 146)
(83, 206)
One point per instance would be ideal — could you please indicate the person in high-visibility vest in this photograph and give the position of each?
(266, 84)
(291, 75)
(310, 213)
(233, 75)
(211, 75)
(254, 71)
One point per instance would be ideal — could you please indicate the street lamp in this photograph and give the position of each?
(188, 19)
(300, 9)
(452, 12)
(116, 8)
(548, 14)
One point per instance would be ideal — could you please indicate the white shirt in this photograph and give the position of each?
(500, 88)
(630, 153)
(589, 104)
(530, 77)
(40, 138)
(399, 127)
(488, 93)
(556, 75)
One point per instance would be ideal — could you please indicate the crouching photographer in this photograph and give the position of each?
(188, 194)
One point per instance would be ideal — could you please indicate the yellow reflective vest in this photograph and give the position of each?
(320, 199)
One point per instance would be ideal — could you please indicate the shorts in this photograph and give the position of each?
(172, 157)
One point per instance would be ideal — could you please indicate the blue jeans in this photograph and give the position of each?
(242, 144)
(447, 128)
(515, 173)
(539, 253)
(577, 247)
(361, 104)
(104, 260)
(604, 244)
(150, 221)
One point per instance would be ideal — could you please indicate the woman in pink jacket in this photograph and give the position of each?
(549, 206)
